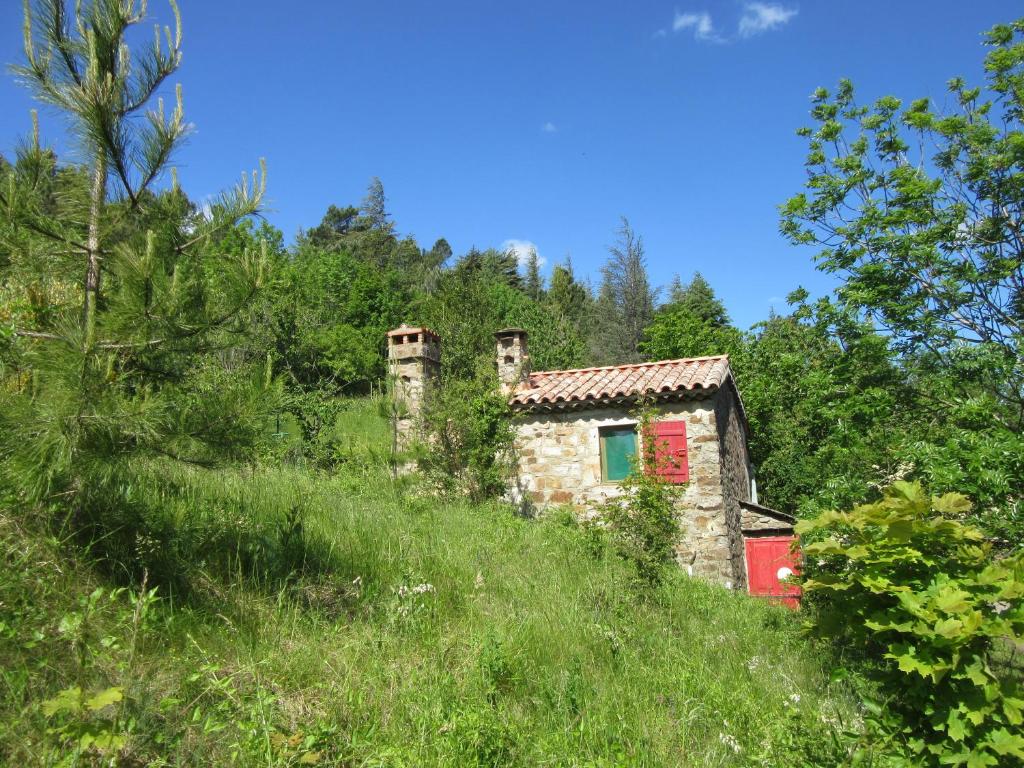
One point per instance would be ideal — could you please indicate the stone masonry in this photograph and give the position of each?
(414, 365)
(735, 476)
(558, 417)
(559, 459)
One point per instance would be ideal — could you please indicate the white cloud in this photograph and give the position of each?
(661, 33)
(522, 248)
(757, 17)
(700, 23)
(549, 127)
(763, 17)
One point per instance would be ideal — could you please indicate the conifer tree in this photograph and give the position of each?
(373, 212)
(675, 289)
(693, 324)
(700, 299)
(113, 360)
(570, 299)
(625, 305)
(534, 283)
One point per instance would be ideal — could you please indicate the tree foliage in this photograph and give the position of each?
(568, 297)
(693, 324)
(625, 301)
(919, 595)
(117, 302)
(471, 426)
(643, 521)
(919, 210)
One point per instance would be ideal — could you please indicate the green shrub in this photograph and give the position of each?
(469, 425)
(643, 522)
(918, 593)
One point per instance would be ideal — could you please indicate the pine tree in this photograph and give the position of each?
(699, 298)
(533, 283)
(693, 324)
(570, 299)
(113, 363)
(373, 212)
(330, 234)
(675, 289)
(625, 305)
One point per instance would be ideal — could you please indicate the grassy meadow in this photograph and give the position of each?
(295, 618)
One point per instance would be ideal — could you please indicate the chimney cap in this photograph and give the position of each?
(404, 330)
(510, 332)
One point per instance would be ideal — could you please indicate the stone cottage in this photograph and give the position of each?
(575, 436)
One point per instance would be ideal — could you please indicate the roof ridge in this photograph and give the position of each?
(632, 365)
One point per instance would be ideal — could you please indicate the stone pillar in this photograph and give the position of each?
(414, 364)
(513, 358)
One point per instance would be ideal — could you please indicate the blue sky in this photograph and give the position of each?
(544, 122)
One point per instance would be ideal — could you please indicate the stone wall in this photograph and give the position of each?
(735, 474)
(757, 520)
(559, 459)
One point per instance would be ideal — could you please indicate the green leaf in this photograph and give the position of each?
(901, 530)
(956, 729)
(975, 672)
(980, 760)
(951, 504)
(69, 700)
(1004, 743)
(109, 742)
(104, 699)
(1012, 708)
(952, 600)
(949, 628)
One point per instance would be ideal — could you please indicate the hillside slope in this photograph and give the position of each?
(352, 620)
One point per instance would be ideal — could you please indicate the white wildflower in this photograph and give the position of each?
(730, 741)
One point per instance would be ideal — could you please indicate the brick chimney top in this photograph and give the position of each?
(513, 358)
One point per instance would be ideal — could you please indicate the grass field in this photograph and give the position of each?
(354, 620)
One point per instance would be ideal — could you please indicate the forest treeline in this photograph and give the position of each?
(195, 326)
(837, 408)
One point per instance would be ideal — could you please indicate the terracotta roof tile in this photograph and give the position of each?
(596, 385)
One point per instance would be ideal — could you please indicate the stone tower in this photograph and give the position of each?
(414, 364)
(513, 358)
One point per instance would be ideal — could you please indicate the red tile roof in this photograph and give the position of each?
(594, 386)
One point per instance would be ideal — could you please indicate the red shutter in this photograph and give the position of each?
(670, 451)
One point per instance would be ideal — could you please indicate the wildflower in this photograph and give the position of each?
(478, 582)
(754, 663)
(730, 741)
(794, 698)
(829, 720)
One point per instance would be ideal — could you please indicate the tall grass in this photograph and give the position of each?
(354, 620)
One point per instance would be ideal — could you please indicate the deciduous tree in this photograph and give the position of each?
(919, 209)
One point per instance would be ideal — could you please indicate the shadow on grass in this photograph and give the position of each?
(195, 541)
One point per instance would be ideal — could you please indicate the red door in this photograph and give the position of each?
(770, 560)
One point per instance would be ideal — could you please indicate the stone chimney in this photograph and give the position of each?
(414, 364)
(513, 358)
